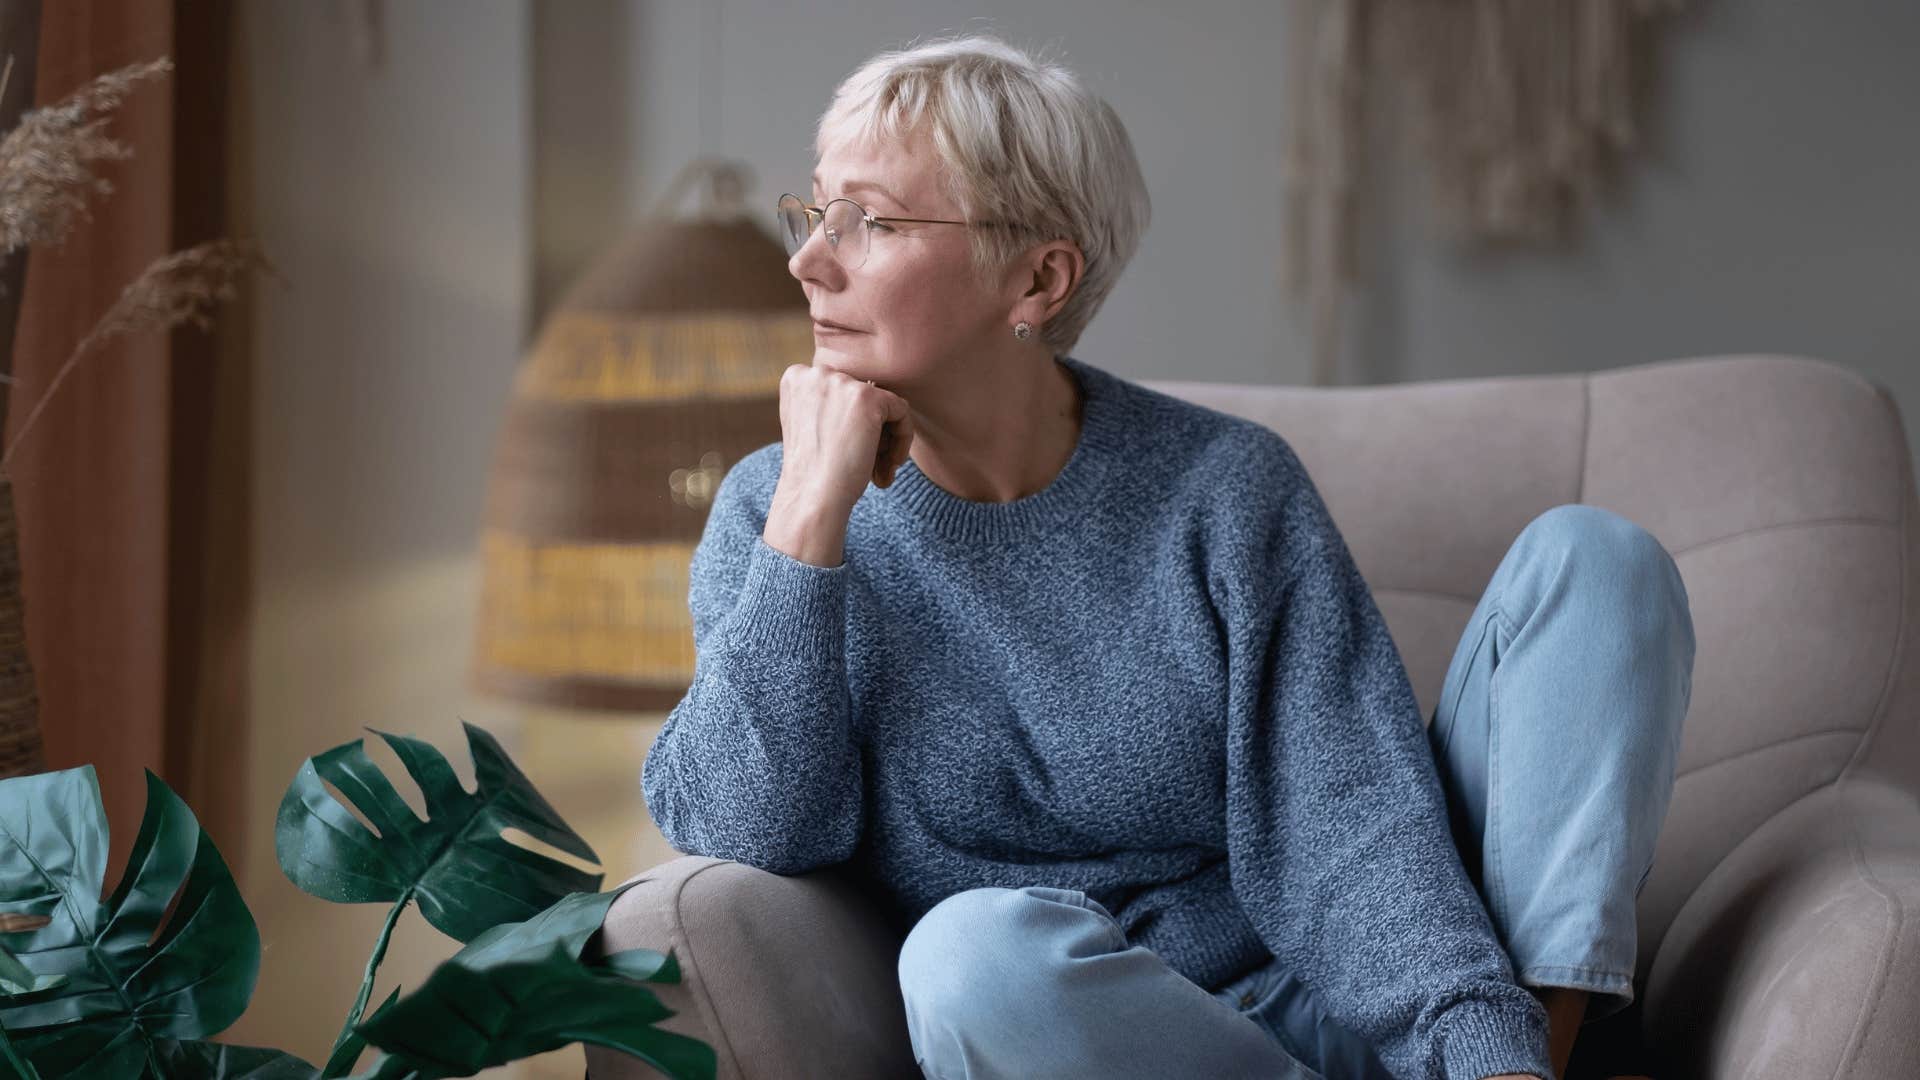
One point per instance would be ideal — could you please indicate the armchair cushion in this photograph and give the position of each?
(1800, 954)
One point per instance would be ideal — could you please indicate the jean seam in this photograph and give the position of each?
(1497, 893)
(1577, 969)
(1453, 712)
(1087, 903)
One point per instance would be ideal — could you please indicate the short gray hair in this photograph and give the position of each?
(1022, 141)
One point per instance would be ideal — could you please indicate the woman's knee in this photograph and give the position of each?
(1640, 602)
(1600, 537)
(997, 947)
(1611, 550)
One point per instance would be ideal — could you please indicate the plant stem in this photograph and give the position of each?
(373, 964)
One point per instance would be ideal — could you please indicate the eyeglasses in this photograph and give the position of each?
(849, 226)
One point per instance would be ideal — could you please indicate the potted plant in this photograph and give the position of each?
(136, 984)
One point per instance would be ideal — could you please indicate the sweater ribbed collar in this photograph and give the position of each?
(1060, 503)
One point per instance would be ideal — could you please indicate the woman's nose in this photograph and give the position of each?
(815, 260)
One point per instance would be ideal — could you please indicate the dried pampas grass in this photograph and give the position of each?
(177, 289)
(47, 174)
(47, 161)
(47, 165)
(174, 290)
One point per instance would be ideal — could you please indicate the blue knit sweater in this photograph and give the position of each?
(1160, 680)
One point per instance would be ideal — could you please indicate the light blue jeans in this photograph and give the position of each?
(1555, 738)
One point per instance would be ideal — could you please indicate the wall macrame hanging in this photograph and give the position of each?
(1520, 107)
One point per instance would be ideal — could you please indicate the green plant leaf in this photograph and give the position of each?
(466, 876)
(643, 964)
(522, 989)
(17, 980)
(17, 1066)
(464, 1019)
(218, 1061)
(136, 978)
(569, 923)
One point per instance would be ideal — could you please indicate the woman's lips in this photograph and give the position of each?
(820, 327)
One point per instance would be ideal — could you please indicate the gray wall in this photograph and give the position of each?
(1775, 213)
(394, 201)
(1773, 210)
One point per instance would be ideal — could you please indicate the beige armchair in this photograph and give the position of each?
(1780, 929)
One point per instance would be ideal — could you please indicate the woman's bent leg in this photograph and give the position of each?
(1041, 982)
(1556, 736)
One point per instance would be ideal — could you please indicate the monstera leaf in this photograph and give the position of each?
(16, 979)
(462, 1021)
(569, 923)
(522, 989)
(466, 877)
(121, 988)
(216, 1061)
(18, 1067)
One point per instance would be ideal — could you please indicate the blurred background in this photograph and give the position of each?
(250, 556)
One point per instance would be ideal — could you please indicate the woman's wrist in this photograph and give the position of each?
(806, 529)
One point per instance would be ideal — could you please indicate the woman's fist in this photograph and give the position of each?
(837, 433)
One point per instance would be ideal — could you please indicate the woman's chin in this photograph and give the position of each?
(840, 355)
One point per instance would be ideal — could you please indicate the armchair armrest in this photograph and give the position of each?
(782, 976)
(1800, 954)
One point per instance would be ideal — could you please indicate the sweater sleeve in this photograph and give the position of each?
(756, 764)
(1338, 844)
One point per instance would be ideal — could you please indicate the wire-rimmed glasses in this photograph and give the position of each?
(849, 226)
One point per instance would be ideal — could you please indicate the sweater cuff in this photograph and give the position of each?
(789, 608)
(1480, 1038)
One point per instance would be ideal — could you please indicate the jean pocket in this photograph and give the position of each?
(1243, 992)
(1268, 998)
(1263, 988)
(1287, 1009)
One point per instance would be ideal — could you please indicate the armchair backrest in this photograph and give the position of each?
(1783, 488)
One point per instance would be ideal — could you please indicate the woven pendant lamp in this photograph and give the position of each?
(657, 371)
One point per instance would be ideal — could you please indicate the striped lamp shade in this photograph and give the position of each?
(658, 370)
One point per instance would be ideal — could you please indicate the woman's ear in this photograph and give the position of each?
(1055, 269)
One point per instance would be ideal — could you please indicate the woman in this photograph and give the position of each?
(1082, 681)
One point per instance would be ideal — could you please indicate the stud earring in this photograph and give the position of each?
(1022, 331)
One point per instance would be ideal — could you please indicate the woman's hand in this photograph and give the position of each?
(837, 433)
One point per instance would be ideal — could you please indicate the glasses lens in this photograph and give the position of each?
(792, 216)
(846, 228)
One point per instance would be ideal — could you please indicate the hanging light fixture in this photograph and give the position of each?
(657, 371)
